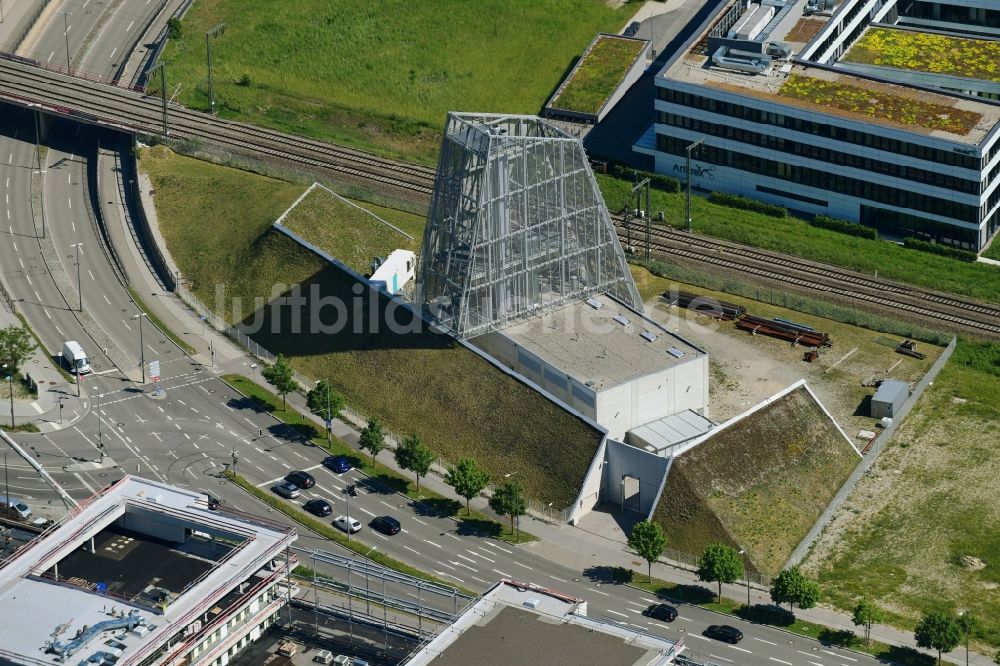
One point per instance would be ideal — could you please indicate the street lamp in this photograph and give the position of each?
(746, 571)
(966, 622)
(79, 282)
(100, 433)
(66, 16)
(253, 367)
(236, 458)
(142, 351)
(62, 399)
(687, 206)
(214, 32)
(10, 387)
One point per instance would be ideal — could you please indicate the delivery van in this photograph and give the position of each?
(75, 357)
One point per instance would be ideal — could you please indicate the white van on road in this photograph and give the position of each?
(75, 357)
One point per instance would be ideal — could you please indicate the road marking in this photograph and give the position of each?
(698, 636)
(724, 659)
(558, 579)
(432, 543)
(467, 559)
(768, 642)
(367, 511)
(106, 300)
(839, 656)
(599, 592)
(130, 26)
(49, 59)
(420, 521)
(815, 663)
(505, 575)
(482, 556)
(686, 619)
(114, 52)
(617, 613)
(38, 409)
(633, 603)
(449, 534)
(743, 650)
(648, 600)
(523, 565)
(481, 580)
(387, 504)
(69, 201)
(780, 661)
(410, 549)
(493, 545)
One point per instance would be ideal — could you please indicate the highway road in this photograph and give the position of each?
(101, 34)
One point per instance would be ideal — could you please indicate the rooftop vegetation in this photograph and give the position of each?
(348, 231)
(599, 73)
(879, 104)
(925, 52)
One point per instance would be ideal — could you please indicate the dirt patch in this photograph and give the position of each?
(804, 30)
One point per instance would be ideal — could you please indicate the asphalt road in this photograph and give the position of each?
(101, 34)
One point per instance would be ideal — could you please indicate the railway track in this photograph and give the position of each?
(982, 318)
(108, 105)
(103, 104)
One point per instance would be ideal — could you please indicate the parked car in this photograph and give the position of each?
(664, 612)
(318, 507)
(286, 490)
(338, 464)
(723, 632)
(301, 479)
(386, 525)
(348, 524)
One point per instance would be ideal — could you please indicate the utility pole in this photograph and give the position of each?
(687, 205)
(10, 387)
(66, 16)
(142, 350)
(100, 437)
(637, 190)
(163, 94)
(79, 282)
(329, 418)
(747, 572)
(217, 31)
(6, 483)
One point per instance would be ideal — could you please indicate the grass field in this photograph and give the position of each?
(993, 251)
(381, 75)
(598, 75)
(928, 503)
(347, 232)
(759, 484)
(795, 236)
(421, 383)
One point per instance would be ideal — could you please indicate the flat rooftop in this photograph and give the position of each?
(607, 345)
(514, 624)
(836, 93)
(55, 586)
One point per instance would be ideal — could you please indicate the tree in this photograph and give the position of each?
(411, 454)
(792, 587)
(720, 564)
(174, 27)
(280, 377)
(939, 631)
(648, 541)
(508, 500)
(16, 347)
(468, 480)
(372, 438)
(324, 401)
(866, 614)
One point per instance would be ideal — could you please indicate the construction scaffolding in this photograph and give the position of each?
(517, 225)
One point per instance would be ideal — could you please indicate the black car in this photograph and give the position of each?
(386, 525)
(213, 502)
(723, 632)
(318, 507)
(301, 479)
(664, 612)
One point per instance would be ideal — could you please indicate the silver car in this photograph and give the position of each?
(286, 490)
(347, 524)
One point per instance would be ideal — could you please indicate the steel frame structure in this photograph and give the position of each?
(517, 225)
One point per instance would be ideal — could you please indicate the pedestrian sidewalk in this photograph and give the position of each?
(57, 404)
(571, 546)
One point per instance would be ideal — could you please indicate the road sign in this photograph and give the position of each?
(154, 370)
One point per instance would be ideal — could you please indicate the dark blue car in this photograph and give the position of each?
(338, 464)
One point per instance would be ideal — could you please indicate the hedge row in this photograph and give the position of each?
(656, 180)
(844, 227)
(736, 201)
(943, 250)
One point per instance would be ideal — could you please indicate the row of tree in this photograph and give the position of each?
(719, 563)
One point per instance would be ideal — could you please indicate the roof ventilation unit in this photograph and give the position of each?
(648, 336)
(594, 303)
(675, 352)
(621, 320)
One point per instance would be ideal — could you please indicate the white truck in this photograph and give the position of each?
(75, 357)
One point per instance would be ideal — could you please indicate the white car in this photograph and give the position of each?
(348, 524)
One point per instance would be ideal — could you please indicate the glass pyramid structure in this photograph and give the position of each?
(517, 226)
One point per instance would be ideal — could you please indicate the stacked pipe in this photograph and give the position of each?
(784, 331)
(705, 305)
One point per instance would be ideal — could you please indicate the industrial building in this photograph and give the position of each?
(774, 100)
(522, 623)
(143, 573)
